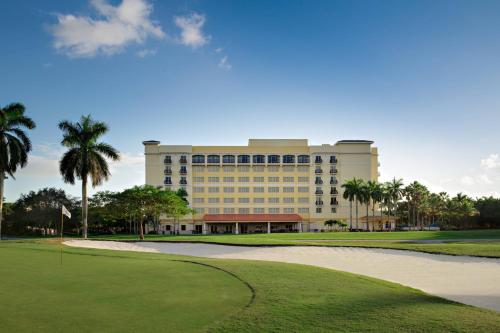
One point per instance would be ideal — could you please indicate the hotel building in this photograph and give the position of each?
(271, 185)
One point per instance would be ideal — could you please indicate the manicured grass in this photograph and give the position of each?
(99, 290)
(110, 292)
(486, 243)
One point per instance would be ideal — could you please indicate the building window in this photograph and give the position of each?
(274, 210)
(273, 168)
(183, 170)
(288, 200)
(199, 210)
(334, 210)
(288, 189)
(273, 200)
(183, 181)
(213, 211)
(228, 189)
(214, 159)
(168, 181)
(167, 159)
(288, 168)
(302, 168)
(303, 189)
(228, 200)
(167, 227)
(273, 189)
(213, 168)
(199, 200)
(228, 179)
(288, 179)
(273, 159)
(213, 179)
(243, 179)
(228, 210)
(183, 227)
(244, 159)
(243, 168)
(198, 159)
(244, 210)
(259, 159)
(318, 210)
(198, 168)
(258, 200)
(168, 171)
(258, 210)
(303, 210)
(213, 200)
(228, 169)
(304, 199)
(258, 189)
(228, 159)
(213, 189)
(198, 189)
(258, 168)
(303, 159)
(318, 181)
(333, 159)
(243, 200)
(303, 179)
(243, 189)
(183, 159)
(273, 179)
(288, 159)
(258, 179)
(318, 159)
(288, 210)
(333, 180)
(198, 179)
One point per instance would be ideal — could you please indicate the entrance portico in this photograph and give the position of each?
(251, 223)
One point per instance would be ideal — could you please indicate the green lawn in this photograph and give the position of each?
(97, 290)
(485, 243)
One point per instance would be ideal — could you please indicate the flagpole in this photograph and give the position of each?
(62, 226)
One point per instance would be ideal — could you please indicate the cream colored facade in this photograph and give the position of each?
(269, 176)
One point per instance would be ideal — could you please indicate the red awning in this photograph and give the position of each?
(252, 218)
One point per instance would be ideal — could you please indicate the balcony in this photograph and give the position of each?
(318, 160)
(167, 182)
(183, 182)
(334, 191)
(318, 182)
(183, 171)
(318, 192)
(318, 171)
(334, 182)
(333, 171)
(167, 160)
(334, 202)
(167, 172)
(183, 160)
(319, 203)
(333, 160)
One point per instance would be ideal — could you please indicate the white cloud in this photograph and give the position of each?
(218, 50)
(116, 27)
(467, 180)
(146, 53)
(191, 30)
(224, 63)
(491, 162)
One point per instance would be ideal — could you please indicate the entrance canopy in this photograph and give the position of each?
(252, 218)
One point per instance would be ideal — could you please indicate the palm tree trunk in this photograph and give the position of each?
(367, 213)
(357, 215)
(2, 178)
(141, 230)
(350, 216)
(84, 206)
(373, 215)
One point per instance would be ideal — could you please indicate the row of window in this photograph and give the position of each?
(319, 180)
(247, 200)
(245, 159)
(259, 210)
(246, 168)
(215, 179)
(246, 189)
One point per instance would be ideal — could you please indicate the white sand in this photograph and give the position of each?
(469, 280)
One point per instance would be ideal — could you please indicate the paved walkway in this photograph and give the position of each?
(469, 280)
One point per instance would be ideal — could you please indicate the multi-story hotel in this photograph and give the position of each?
(271, 185)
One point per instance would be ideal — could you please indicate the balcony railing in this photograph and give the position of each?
(167, 172)
(183, 182)
(319, 203)
(318, 160)
(333, 160)
(334, 192)
(334, 202)
(333, 171)
(318, 182)
(166, 182)
(183, 160)
(318, 171)
(334, 182)
(183, 171)
(318, 192)
(167, 160)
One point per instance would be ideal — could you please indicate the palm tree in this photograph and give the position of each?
(353, 189)
(395, 189)
(14, 144)
(365, 198)
(349, 195)
(375, 190)
(85, 157)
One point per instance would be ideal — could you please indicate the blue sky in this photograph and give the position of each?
(420, 78)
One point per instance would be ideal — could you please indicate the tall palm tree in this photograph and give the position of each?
(349, 195)
(353, 189)
(14, 144)
(365, 198)
(86, 156)
(395, 189)
(375, 190)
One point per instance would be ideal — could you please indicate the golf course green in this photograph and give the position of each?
(107, 291)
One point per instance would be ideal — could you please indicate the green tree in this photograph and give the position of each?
(395, 193)
(352, 192)
(376, 193)
(365, 198)
(86, 157)
(14, 144)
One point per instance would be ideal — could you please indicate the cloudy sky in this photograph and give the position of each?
(420, 78)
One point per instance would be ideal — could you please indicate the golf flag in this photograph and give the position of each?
(66, 212)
